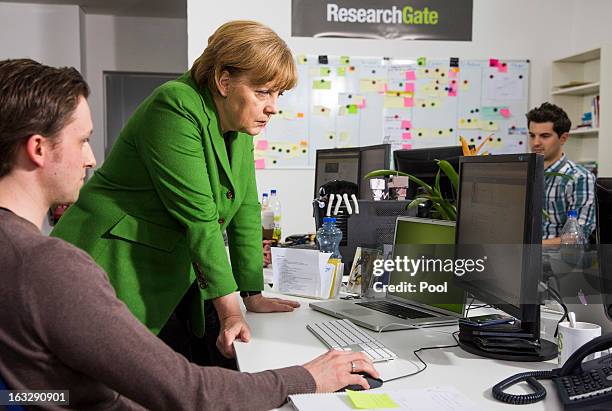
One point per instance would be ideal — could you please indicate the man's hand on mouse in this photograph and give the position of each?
(336, 369)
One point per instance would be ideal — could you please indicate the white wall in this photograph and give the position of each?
(143, 44)
(520, 29)
(49, 34)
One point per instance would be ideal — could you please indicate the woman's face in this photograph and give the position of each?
(245, 107)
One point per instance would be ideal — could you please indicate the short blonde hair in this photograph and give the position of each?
(246, 47)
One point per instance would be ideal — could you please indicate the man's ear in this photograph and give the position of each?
(37, 149)
(223, 83)
(563, 138)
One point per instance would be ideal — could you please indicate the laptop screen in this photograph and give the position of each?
(432, 239)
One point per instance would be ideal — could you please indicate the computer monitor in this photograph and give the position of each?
(499, 218)
(421, 163)
(350, 164)
(604, 239)
(418, 238)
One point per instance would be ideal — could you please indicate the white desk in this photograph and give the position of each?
(281, 339)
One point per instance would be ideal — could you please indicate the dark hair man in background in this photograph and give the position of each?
(549, 129)
(63, 326)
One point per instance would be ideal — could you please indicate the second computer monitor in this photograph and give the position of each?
(421, 163)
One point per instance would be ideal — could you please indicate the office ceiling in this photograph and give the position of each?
(141, 8)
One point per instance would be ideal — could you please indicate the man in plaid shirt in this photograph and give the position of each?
(549, 129)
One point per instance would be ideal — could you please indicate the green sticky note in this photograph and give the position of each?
(421, 61)
(321, 85)
(324, 71)
(341, 71)
(352, 108)
(344, 59)
(363, 400)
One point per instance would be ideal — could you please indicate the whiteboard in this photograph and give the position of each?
(345, 101)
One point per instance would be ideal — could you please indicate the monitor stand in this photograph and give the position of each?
(509, 342)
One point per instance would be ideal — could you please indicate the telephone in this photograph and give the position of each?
(580, 385)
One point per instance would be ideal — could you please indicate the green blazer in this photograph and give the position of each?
(153, 215)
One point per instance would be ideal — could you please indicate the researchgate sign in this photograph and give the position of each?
(383, 19)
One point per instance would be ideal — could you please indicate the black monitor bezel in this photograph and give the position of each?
(532, 258)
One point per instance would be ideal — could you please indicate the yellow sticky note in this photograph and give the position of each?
(341, 71)
(489, 125)
(393, 102)
(302, 59)
(324, 71)
(321, 84)
(364, 400)
(372, 85)
(344, 60)
(321, 111)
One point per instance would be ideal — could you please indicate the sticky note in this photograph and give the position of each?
(505, 112)
(344, 136)
(393, 102)
(421, 61)
(406, 146)
(409, 87)
(452, 74)
(410, 75)
(502, 68)
(452, 92)
(262, 145)
(344, 59)
(303, 143)
(300, 115)
(324, 71)
(301, 59)
(372, 85)
(406, 136)
(406, 124)
(260, 163)
(341, 71)
(493, 62)
(321, 85)
(489, 125)
(361, 102)
(408, 102)
(287, 115)
(352, 108)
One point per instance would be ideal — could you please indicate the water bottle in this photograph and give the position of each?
(267, 217)
(572, 240)
(275, 206)
(329, 237)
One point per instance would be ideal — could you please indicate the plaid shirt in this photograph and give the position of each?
(562, 194)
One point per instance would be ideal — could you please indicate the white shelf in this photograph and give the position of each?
(582, 90)
(584, 131)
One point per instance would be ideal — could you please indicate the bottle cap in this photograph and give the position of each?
(265, 194)
(572, 213)
(329, 220)
(273, 191)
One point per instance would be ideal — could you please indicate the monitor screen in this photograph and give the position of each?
(421, 164)
(499, 216)
(419, 238)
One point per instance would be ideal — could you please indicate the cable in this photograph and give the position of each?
(531, 379)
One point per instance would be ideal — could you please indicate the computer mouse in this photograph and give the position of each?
(373, 382)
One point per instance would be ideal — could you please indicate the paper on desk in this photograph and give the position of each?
(423, 399)
(299, 272)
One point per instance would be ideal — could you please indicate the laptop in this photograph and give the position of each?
(413, 238)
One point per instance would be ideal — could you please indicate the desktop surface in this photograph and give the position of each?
(281, 339)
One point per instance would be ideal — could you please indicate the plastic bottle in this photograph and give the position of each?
(572, 240)
(329, 237)
(275, 206)
(267, 215)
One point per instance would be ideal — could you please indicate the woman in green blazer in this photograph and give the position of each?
(180, 174)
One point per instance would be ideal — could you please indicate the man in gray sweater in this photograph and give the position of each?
(63, 327)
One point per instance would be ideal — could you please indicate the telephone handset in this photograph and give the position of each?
(579, 384)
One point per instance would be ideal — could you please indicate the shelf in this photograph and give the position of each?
(582, 58)
(584, 131)
(583, 90)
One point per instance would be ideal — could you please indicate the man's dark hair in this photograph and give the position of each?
(549, 112)
(34, 99)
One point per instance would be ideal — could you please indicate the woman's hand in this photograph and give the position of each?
(336, 369)
(232, 327)
(260, 304)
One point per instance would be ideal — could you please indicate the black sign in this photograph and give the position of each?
(383, 19)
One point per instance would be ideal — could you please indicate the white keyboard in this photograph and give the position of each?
(346, 336)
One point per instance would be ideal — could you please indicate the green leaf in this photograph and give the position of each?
(437, 183)
(450, 172)
(416, 202)
(562, 175)
(383, 173)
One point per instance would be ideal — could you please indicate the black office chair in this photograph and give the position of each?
(604, 238)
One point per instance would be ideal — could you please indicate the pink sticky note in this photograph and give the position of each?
(406, 136)
(410, 75)
(502, 68)
(452, 92)
(493, 62)
(262, 145)
(362, 105)
(406, 124)
(505, 112)
(408, 102)
(452, 74)
(260, 163)
(406, 146)
(409, 87)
